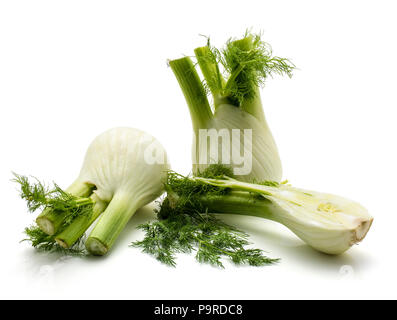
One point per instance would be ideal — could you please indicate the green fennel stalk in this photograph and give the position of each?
(51, 219)
(106, 231)
(123, 170)
(233, 76)
(65, 216)
(326, 222)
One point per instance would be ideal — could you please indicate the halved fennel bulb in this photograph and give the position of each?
(326, 222)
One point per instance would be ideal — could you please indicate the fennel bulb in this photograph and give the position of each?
(326, 222)
(127, 175)
(184, 225)
(252, 150)
(237, 129)
(123, 170)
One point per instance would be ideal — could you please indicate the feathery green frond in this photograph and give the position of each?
(55, 201)
(39, 196)
(246, 64)
(184, 225)
(43, 242)
(215, 171)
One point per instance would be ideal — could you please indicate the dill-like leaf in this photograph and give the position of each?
(216, 171)
(189, 188)
(39, 196)
(246, 65)
(183, 225)
(186, 230)
(46, 243)
(35, 194)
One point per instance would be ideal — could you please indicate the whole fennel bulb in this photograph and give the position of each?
(127, 175)
(122, 162)
(238, 133)
(124, 169)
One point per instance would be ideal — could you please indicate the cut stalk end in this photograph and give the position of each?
(46, 225)
(96, 247)
(63, 244)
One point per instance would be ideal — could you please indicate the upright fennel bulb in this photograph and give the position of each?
(123, 170)
(238, 132)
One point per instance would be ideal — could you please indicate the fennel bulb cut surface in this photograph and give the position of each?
(329, 223)
(326, 222)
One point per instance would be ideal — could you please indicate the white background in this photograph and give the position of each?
(72, 69)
